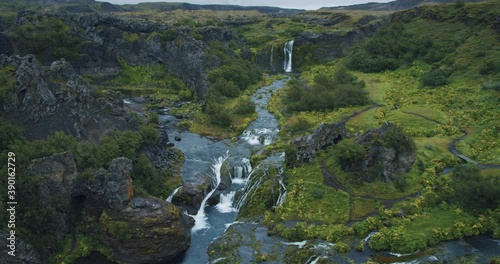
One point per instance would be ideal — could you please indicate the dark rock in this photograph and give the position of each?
(57, 176)
(47, 100)
(177, 138)
(110, 188)
(148, 230)
(382, 161)
(325, 135)
(5, 45)
(24, 253)
(190, 197)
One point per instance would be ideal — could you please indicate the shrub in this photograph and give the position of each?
(473, 191)
(328, 92)
(397, 139)
(245, 106)
(434, 78)
(226, 88)
(488, 67)
(297, 124)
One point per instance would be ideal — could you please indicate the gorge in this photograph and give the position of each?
(178, 133)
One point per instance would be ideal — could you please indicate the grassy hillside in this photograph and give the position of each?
(441, 86)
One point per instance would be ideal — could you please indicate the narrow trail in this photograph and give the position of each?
(331, 180)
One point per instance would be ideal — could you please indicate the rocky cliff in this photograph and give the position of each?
(147, 230)
(45, 100)
(103, 42)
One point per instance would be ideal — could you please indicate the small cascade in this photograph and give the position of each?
(271, 59)
(282, 189)
(287, 64)
(200, 218)
(169, 198)
(368, 237)
(249, 187)
(257, 136)
(241, 172)
(226, 203)
(300, 244)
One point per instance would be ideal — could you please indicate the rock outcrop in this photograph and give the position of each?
(109, 188)
(190, 197)
(57, 176)
(148, 230)
(308, 145)
(24, 253)
(104, 44)
(385, 157)
(45, 100)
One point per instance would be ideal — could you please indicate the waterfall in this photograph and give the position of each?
(169, 198)
(248, 189)
(287, 64)
(200, 218)
(282, 189)
(271, 59)
(369, 236)
(241, 172)
(226, 203)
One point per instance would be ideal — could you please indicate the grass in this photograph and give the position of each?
(363, 207)
(306, 188)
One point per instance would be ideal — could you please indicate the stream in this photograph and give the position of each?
(205, 156)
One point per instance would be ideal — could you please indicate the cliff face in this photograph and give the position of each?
(45, 100)
(104, 40)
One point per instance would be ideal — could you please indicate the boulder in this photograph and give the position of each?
(190, 197)
(147, 230)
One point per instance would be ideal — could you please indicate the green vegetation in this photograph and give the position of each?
(47, 35)
(328, 92)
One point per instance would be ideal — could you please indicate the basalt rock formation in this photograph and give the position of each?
(382, 159)
(45, 100)
(147, 230)
(24, 254)
(104, 45)
(308, 146)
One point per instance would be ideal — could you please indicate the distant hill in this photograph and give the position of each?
(86, 6)
(393, 5)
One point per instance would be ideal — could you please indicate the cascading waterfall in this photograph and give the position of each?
(287, 64)
(226, 203)
(271, 59)
(241, 172)
(200, 218)
(282, 189)
(169, 198)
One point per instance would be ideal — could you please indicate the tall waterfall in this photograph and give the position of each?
(200, 218)
(287, 64)
(169, 198)
(271, 59)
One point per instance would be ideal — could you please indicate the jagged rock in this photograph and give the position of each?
(24, 253)
(57, 175)
(110, 188)
(325, 135)
(381, 160)
(148, 230)
(47, 100)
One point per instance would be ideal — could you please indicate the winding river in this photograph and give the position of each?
(204, 156)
